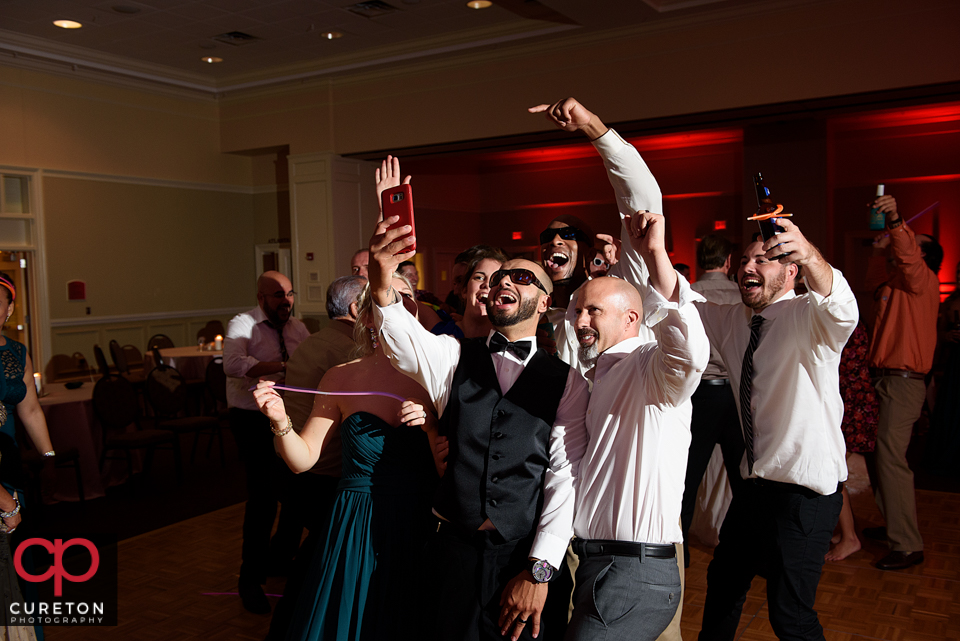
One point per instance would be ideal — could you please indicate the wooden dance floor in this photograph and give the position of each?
(176, 583)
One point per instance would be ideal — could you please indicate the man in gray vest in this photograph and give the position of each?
(504, 504)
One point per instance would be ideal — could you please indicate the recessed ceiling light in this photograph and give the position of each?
(331, 35)
(211, 59)
(67, 24)
(479, 4)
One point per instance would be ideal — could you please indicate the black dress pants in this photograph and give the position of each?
(470, 571)
(714, 420)
(266, 476)
(780, 531)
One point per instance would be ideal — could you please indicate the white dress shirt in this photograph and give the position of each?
(630, 480)
(432, 361)
(716, 288)
(250, 341)
(636, 189)
(795, 400)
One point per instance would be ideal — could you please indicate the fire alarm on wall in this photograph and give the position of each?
(76, 290)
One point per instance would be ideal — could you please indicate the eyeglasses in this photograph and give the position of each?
(566, 233)
(518, 276)
(279, 295)
(599, 262)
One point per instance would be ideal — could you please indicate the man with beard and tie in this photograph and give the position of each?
(257, 345)
(782, 353)
(504, 504)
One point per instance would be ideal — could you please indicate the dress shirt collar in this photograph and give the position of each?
(533, 348)
(258, 315)
(774, 309)
(613, 355)
(713, 276)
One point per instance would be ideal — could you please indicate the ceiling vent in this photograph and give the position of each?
(236, 38)
(372, 9)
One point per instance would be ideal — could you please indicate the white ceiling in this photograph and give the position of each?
(164, 40)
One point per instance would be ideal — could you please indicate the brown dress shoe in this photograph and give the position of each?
(900, 560)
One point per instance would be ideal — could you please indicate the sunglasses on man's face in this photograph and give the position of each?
(566, 233)
(518, 276)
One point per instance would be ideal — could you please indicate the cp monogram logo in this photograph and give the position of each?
(56, 570)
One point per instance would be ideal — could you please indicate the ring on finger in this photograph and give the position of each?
(521, 621)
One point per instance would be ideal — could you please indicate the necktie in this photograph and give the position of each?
(746, 388)
(499, 343)
(283, 346)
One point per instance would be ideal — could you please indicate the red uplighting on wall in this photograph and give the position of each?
(517, 235)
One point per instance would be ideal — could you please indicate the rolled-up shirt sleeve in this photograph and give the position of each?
(568, 443)
(833, 318)
(428, 359)
(236, 361)
(683, 350)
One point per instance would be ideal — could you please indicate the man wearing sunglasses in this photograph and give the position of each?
(504, 505)
(564, 247)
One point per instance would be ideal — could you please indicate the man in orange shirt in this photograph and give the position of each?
(903, 276)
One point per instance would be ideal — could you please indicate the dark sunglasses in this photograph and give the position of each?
(566, 233)
(518, 276)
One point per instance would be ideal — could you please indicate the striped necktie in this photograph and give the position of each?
(746, 389)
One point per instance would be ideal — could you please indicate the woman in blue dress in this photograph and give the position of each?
(18, 394)
(363, 584)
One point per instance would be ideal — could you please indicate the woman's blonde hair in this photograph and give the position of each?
(362, 334)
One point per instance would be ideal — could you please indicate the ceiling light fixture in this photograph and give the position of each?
(211, 59)
(479, 4)
(67, 24)
(331, 35)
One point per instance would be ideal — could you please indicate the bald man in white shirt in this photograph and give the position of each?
(630, 476)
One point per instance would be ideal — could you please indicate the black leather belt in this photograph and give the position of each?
(905, 373)
(714, 381)
(603, 547)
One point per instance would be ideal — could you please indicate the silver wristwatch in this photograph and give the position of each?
(542, 571)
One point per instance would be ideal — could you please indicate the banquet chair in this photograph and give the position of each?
(102, 365)
(160, 341)
(210, 331)
(116, 406)
(167, 392)
(62, 368)
(133, 356)
(34, 461)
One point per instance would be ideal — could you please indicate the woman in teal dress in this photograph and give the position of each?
(18, 394)
(363, 583)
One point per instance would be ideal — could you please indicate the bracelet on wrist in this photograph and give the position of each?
(281, 431)
(13, 512)
(893, 224)
(50, 454)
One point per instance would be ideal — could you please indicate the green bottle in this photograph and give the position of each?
(878, 220)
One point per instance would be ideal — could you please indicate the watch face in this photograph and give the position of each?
(542, 571)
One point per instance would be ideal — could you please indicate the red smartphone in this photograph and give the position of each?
(398, 201)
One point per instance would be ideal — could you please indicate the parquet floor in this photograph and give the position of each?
(173, 580)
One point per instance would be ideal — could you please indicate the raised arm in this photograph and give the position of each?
(816, 271)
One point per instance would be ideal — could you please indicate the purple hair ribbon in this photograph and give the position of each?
(304, 390)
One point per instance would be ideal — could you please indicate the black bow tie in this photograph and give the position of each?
(499, 343)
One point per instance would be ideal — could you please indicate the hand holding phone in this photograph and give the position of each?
(398, 201)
